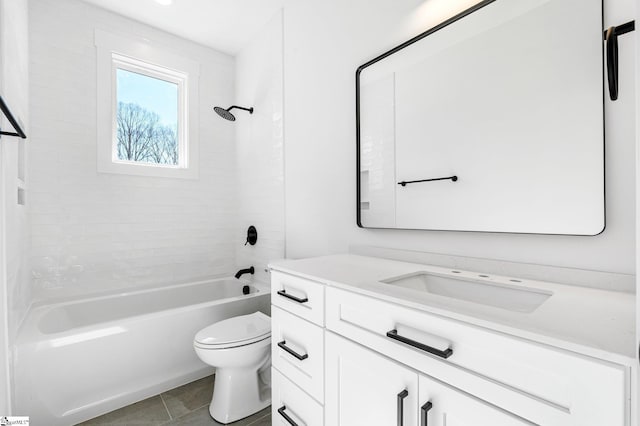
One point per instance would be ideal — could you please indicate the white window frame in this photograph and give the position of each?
(115, 52)
(120, 62)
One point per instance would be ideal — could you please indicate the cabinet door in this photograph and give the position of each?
(442, 405)
(364, 388)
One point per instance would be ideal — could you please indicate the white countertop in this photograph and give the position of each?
(588, 321)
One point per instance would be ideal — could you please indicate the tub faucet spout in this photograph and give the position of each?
(241, 272)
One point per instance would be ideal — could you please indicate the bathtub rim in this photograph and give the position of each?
(125, 291)
(30, 332)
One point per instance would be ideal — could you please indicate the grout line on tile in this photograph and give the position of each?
(165, 407)
(189, 412)
(202, 406)
(258, 419)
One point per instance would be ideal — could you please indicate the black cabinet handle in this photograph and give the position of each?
(424, 413)
(401, 396)
(283, 345)
(283, 293)
(393, 334)
(285, 416)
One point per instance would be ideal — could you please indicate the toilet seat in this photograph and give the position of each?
(233, 332)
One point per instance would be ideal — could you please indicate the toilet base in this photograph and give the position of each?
(238, 393)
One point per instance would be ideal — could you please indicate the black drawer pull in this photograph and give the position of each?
(283, 293)
(424, 413)
(283, 345)
(400, 398)
(442, 354)
(286, 417)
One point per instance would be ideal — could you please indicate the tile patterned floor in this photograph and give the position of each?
(187, 405)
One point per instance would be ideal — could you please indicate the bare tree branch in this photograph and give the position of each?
(142, 138)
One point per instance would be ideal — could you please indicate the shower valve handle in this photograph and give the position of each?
(252, 236)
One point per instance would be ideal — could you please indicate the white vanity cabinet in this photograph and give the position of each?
(346, 357)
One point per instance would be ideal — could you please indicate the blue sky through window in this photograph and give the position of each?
(152, 94)
(147, 119)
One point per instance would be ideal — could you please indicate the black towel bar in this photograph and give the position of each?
(451, 178)
(7, 113)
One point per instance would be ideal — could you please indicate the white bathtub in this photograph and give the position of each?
(80, 359)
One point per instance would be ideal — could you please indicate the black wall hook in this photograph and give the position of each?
(611, 40)
(252, 236)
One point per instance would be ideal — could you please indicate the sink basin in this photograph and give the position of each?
(504, 296)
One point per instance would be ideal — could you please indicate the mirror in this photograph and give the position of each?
(492, 121)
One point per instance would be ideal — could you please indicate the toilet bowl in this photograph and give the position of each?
(240, 350)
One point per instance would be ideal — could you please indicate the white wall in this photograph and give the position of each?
(259, 139)
(94, 232)
(635, 372)
(14, 288)
(324, 43)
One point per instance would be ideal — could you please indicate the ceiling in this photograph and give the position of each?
(220, 24)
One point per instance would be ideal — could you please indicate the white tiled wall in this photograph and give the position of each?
(15, 292)
(93, 232)
(260, 144)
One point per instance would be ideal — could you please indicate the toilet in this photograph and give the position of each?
(240, 350)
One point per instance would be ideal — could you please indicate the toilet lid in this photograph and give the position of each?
(245, 328)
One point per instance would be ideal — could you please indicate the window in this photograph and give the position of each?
(147, 110)
(147, 120)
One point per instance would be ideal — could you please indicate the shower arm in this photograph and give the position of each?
(242, 108)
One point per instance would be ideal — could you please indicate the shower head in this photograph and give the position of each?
(226, 114)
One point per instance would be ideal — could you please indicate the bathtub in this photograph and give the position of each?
(78, 359)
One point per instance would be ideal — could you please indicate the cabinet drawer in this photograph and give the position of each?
(299, 296)
(543, 384)
(288, 401)
(297, 351)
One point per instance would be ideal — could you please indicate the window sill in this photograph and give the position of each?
(148, 170)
